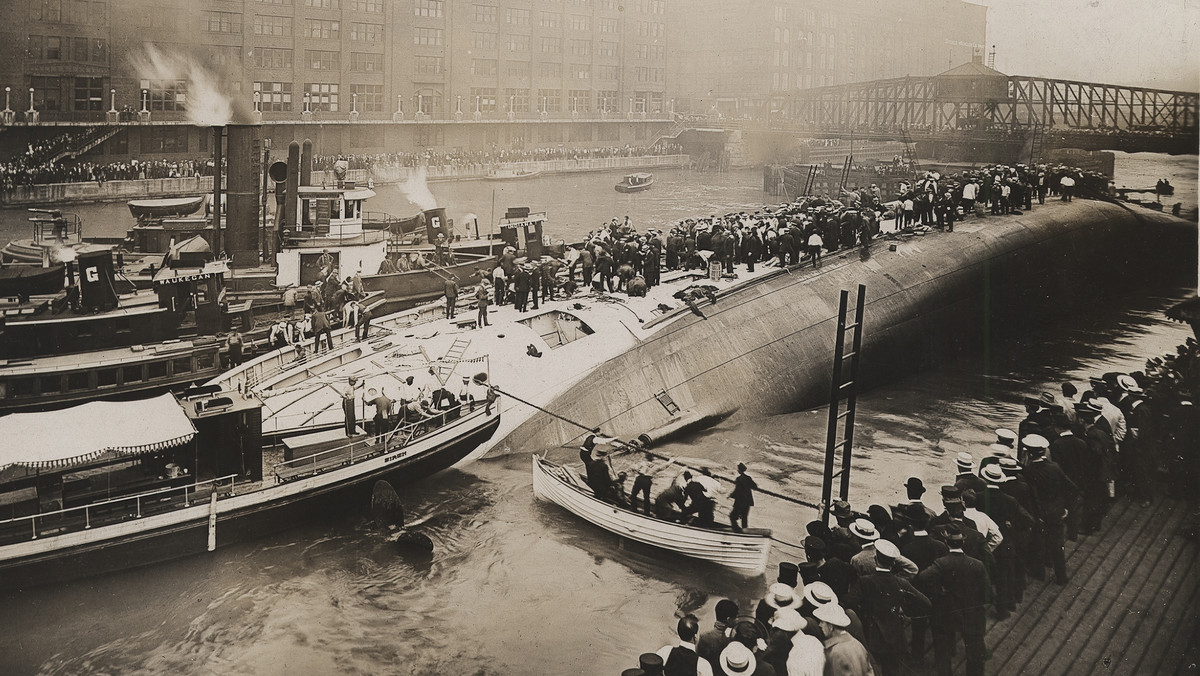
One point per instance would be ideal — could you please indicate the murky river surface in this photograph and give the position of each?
(521, 587)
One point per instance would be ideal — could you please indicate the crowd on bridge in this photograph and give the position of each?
(874, 587)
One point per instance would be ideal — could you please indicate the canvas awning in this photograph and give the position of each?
(85, 432)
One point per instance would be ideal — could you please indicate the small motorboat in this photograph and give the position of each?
(165, 207)
(636, 182)
(512, 174)
(746, 551)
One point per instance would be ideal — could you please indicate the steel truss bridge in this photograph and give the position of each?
(1043, 112)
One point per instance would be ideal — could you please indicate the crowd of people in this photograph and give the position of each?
(484, 158)
(18, 173)
(875, 586)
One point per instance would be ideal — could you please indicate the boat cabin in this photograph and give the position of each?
(523, 231)
(79, 467)
(634, 180)
(330, 238)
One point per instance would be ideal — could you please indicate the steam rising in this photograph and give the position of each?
(416, 189)
(207, 105)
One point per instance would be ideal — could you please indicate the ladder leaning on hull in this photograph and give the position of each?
(842, 388)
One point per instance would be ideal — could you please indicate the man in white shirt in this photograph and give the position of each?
(983, 523)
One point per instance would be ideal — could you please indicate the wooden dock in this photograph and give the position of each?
(1129, 607)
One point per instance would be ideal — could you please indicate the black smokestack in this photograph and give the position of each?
(293, 183)
(244, 172)
(306, 161)
(218, 177)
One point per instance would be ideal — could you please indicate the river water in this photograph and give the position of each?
(520, 587)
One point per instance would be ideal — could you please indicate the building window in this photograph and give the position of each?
(550, 71)
(517, 100)
(608, 25)
(519, 69)
(429, 101)
(429, 65)
(323, 28)
(581, 71)
(167, 95)
(610, 5)
(372, 6)
(516, 17)
(580, 100)
(549, 19)
(658, 52)
(222, 57)
(370, 97)
(485, 67)
(47, 10)
(581, 48)
(606, 101)
(607, 49)
(551, 45)
(324, 4)
(581, 23)
(322, 60)
(484, 99)
(550, 100)
(484, 41)
(366, 32)
(606, 72)
(269, 57)
(517, 43)
(99, 52)
(427, 36)
(580, 3)
(274, 96)
(47, 93)
(433, 8)
(221, 22)
(322, 96)
(274, 2)
(275, 26)
(428, 136)
(366, 62)
(485, 13)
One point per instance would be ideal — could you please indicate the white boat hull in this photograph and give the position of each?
(746, 551)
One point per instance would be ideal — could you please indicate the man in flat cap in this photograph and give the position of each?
(956, 583)
(1056, 493)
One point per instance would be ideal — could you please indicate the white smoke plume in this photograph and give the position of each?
(207, 105)
(416, 189)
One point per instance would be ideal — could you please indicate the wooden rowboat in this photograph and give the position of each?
(746, 551)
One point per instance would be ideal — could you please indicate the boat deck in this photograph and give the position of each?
(1129, 606)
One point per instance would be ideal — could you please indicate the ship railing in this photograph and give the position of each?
(364, 449)
(112, 510)
(66, 229)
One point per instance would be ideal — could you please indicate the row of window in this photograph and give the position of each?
(322, 96)
(80, 12)
(68, 93)
(431, 65)
(484, 99)
(78, 381)
(372, 6)
(273, 57)
(57, 48)
(283, 27)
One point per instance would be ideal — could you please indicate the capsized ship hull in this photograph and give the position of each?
(766, 347)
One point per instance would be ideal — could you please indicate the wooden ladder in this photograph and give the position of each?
(450, 360)
(842, 388)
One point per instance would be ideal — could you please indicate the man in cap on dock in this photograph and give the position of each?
(1098, 466)
(957, 585)
(864, 562)
(884, 602)
(1056, 493)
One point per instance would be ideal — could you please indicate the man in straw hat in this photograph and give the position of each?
(864, 561)
(738, 660)
(844, 655)
(779, 596)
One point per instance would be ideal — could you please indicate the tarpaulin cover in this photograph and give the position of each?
(75, 435)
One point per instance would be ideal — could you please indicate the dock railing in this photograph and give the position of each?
(113, 510)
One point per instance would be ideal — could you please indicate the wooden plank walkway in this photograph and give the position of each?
(1129, 607)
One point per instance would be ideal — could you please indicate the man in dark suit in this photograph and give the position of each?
(836, 573)
(1027, 544)
(1098, 465)
(885, 601)
(1056, 493)
(957, 584)
(1013, 521)
(923, 549)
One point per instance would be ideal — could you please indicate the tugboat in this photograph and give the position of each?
(57, 238)
(636, 182)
